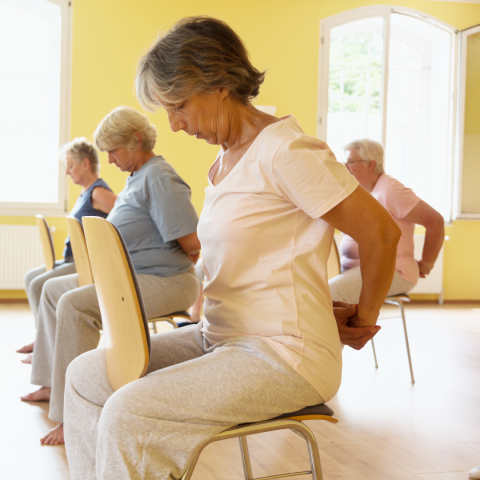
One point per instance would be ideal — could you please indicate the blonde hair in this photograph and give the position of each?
(368, 150)
(118, 129)
(79, 149)
(197, 55)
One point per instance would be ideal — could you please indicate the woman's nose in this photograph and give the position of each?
(175, 123)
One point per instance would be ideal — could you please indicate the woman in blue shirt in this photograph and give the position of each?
(158, 224)
(96, 199)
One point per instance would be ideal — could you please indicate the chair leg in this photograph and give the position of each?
(400, 305)
(315, 464)
(374, 354)
(247, 466)
(155, 327)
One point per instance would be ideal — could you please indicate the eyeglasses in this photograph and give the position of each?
(351, 162)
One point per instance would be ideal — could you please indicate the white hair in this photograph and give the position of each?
(79, 149)
(368, 150)
(118, 129)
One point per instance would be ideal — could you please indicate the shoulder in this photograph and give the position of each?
(288, 143)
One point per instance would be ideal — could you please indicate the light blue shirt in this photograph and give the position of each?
(151, 212)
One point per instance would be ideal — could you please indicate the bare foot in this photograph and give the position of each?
(41, 395)
(27, 359)
(54, 436)
(27, 348)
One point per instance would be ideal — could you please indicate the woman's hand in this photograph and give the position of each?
(354, 337)
(190, 244)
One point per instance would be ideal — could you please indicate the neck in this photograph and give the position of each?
(141, 158)
(370, 184)
(89, 180)
(245, 123)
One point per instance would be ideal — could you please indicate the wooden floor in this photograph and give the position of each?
(388, 430)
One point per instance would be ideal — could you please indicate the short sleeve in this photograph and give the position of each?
(307, 173)
(400, 200)
(169, 205)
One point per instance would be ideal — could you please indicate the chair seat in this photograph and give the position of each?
(404, 297)
(178, 314)
(321, 409)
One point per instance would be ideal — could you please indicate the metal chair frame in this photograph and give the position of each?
(169, 319)
(289, 423)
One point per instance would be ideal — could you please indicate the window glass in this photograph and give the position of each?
(30, 45)
(418, 147)
(471, 139)
(355, 83)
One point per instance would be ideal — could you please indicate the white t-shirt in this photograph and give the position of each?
(265, 250)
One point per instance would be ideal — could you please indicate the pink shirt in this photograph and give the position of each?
(399, 201)
(265, 250)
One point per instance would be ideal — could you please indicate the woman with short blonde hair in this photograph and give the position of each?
(158, 223)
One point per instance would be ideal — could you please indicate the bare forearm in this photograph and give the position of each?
(377, 264)
(433, 243)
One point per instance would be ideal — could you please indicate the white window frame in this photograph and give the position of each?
(462, 68)
(60, 208)
(385, 11)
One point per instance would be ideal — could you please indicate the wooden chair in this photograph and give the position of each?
(128, 343)
(80, 253)
(334, 269)
(47, 244)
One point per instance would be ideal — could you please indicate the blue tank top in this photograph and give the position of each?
(83, 208)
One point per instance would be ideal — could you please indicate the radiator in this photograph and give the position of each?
(20, 250)
(434, 281)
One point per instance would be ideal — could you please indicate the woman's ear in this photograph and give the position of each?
(139, 139)
(223, 92)
(86, 164)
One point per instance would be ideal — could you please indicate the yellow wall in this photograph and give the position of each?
(281, 35)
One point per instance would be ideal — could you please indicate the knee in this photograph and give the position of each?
(116, 415)
(87, 375)
(66, 303)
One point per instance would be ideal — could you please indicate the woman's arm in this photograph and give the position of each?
(424, 214)
(190, 244)
(103, 199)
(377, 235)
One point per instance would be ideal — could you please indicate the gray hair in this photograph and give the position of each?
(368, 150)
(118, 129)
(79, 149)
(197, 55)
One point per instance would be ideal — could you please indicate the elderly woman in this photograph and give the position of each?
(96, 199)
(365, 163)
(269, 343)
(158, 223)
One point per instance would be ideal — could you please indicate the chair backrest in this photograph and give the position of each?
(47, 244)
(333, 264)
(80, 253)
(125, 327)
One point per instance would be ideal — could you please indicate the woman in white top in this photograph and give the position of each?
(269, 343)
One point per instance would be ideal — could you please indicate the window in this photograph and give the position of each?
(408, 107)
(34, 114)
(468, 172)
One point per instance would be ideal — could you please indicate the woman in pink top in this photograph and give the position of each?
(269, 343)
(365, 163)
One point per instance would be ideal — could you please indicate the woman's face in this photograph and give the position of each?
(204, 115)
(122, 158)
(75, 169)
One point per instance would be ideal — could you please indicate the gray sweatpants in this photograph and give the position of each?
(36, 277)
(152, 427)
(69, 324)
(347, 286)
